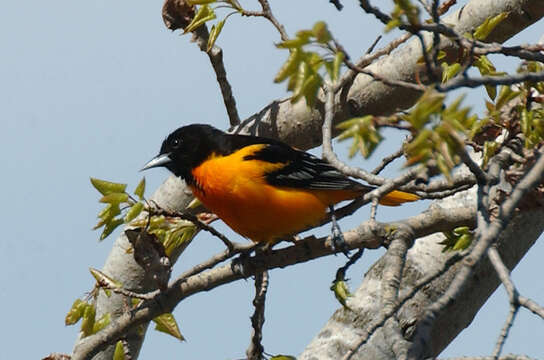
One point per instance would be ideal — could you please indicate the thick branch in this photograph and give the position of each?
(347, 330)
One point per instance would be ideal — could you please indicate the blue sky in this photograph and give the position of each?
(91, 89)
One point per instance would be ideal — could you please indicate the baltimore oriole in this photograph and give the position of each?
(262, 188)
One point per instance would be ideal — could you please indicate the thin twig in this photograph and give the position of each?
(367, 59)
(474, 168)
(341, 272)
(337, 4)
(256, 349)
(216, 259)
(387, 160)
(473, 82)
(156, 210)
(267, 14)
(215, 54)
(504, 331)
(383, 79)
(127, 293)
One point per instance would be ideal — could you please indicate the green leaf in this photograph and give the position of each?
(463, 242)
(290, 66)
(203, 15)
(449, 71)
(167, 323)
(140, 189)
(87, 324)
(200, 2)
(110, 227)
(338, 60)
(341, 292)
(114, 198)
(110, 211)
(421, 141)
(214, 33)
(303, 37)
(106, 187)
(176, 237)
(429, 104)
(119, 353)
(505, 95)
(107, 214)
(443, 166)
(314, 60)
(105, 280)
(321, 33)
(134, 211)
(393, 23)
(301, 76)
(491, 91)
(365, 136)
(483, 31)
(283, 357)
(486, 67)
(310, 89)
(76, 312)
(457, 239)
(101, 323)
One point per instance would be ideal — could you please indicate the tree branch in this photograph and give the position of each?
(215, 54)
(303, 250)
(256, 349)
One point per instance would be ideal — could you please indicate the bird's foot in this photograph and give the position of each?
(337, 238)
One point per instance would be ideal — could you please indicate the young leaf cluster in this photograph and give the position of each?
(364, 133)
(123, 208)
(457, 239)
(170, 231)
(341, 291)
(439, 131)
(530, 109)
(526, 117)
(207, 13)
(303, 65)
(481, 62)
(86, 312)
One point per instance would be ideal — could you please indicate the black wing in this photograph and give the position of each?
(303, 170)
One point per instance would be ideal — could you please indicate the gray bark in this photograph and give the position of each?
(344, 329)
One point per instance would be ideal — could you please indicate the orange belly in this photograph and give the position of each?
(236, 191)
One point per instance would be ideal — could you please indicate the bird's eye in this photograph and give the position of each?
(175, 143)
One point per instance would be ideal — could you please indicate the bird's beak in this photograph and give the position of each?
(159, 160)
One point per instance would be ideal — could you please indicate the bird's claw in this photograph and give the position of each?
(338, 241)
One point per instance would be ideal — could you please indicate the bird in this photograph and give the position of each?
(262, 188)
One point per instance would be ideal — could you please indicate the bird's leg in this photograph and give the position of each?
(338, 241)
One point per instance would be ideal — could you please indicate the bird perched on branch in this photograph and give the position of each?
(262, 188)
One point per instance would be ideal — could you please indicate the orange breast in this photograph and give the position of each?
(236, 191)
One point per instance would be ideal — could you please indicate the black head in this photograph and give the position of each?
(186, 148)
